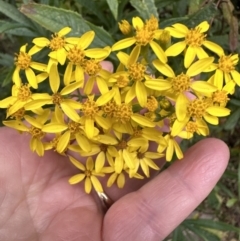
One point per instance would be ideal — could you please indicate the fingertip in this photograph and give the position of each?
(107, 65)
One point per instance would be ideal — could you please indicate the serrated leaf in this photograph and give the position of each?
(113, 5)
(93, 7)
(146, 8)
(54, 19)
(232, 120)
(14, 14)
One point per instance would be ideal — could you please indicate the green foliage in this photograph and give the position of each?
(20, 22)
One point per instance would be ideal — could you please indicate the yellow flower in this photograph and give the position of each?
(59, 45)
(143, 158)
(199, 108)
(186, 130)
(23, 61)
(194, 41)
(177, 85)
(76, 56)
(125, 27)
(67, 105)
(88, 174)
(145, 34)
(225, 70)
(19, 98)
(171, 146)
(37, 129)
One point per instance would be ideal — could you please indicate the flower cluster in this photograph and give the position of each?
(120, 123)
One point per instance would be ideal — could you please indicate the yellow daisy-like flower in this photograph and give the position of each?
(225, 70)
(199, 108)
(67, 105)
(177, 85)
(144, 35)
(19, 98)
(171, 146)
(59, 45)
(125, 27)
(37, 129)
(143, 158)
(194, 41)
(76, 56)
(23, 61)
(88, 174)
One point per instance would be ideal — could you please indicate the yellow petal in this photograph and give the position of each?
(83, 142)
(97, 53)
(112, 179)
(124, 43)
(199, 66)
(211, 119)
(86, 39)
(214, 47)
(203, 26)
(105, 98)
(54, 128)
(18, 125)
(218, 111)
(76, 163)
(137, 23)
(158, 84)
(163, 68)
(100, 161)
(88, 185)
(61, 56)
(63, 142)
(123, 58)
(121, 180)
(70, 112)
(31, 77)
(41, 42)
(89, 127)
(54, 78)
(68, 74)
(70, 88)
(176, 49)
(142, 120)
(105, 123)
(64, 31)
(76, 178)
(96, 184)
(35, 104)
(181, 107)
(141, 93)
(158, 51)
(189, 56)
(89, 164)
(134, 55)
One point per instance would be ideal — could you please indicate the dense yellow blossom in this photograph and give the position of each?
(120, 123)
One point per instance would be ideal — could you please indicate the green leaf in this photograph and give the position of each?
(6, 60)
(178, 234)
(8, 77)
(207, 223)
(203, 233)
(13, 13)
(230, 202)
(55, 19)
(232, 120)
(113, 5)
(93, 7)
(239, 180)
(146, 8)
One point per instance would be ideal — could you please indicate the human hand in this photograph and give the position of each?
(37, 203)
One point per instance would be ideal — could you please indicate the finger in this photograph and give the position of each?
(162, 204)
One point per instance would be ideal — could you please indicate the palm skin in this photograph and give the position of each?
(37, 203)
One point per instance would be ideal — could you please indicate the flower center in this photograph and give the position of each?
(92, 67)
(24, 93)
(19, 114)
(136, 71)
(144, 36)
(197, 108)
(122, 145)
(56, 42)
(191, 127)
(195, 38)
(226, 64)
(152, 104)
(76, 55)
(122, 81)
(90, 108)
(152, 24)
(23, 60)
(54, 142)
(220, 97)
(74, 127)
(137, 132)
(109, 109)
(123, 113)
(88, 173)
(36, 132)
(57, 99)
(180, 83)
